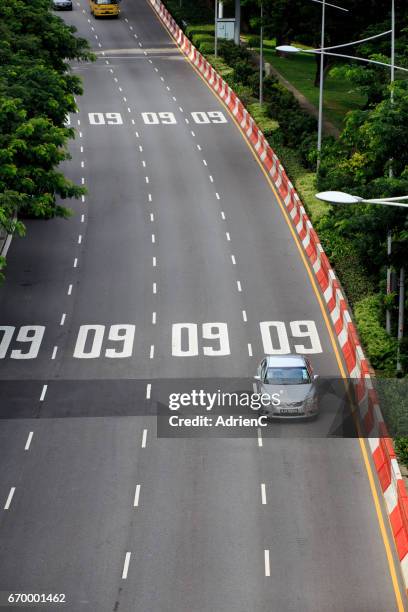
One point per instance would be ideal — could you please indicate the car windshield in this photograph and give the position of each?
(287, 376)
(106, 1)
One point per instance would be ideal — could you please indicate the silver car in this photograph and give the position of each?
(290, 383)
(62, 5)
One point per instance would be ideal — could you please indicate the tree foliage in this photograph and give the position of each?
(37, 92)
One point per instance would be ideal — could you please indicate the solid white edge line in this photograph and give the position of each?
(28, 443)
(137, 496)
(9, 498)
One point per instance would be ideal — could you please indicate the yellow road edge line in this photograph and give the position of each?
(329, 325)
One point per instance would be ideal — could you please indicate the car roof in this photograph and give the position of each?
(285, 361)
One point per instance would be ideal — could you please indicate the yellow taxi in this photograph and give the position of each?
(104, 8)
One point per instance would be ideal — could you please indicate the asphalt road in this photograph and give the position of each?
(179, 227)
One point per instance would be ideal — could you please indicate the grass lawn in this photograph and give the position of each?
(299, 70)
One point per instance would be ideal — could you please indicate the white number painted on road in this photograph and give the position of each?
(105, 118)
(276, 340)
(90, 340)
(156, 118)
(201, 117)
(31, 334)
(184, 341)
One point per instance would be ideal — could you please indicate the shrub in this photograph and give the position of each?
(401, 448)
(232, 53)
(381, 348)
(200, 39)
(243, 72)
(207, 48)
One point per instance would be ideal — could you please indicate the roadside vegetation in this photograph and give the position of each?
(369, 159)
(37, 92)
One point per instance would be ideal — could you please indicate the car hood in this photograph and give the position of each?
(289, 393)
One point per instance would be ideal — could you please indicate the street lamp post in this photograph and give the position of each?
(339, 197)
(261, 59)
(215, 29)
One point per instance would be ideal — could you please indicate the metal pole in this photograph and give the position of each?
(237, 30)
(390, 172)
(261, 60)
(320, 122)
(400, 315)
(215, 29)
(389, 272)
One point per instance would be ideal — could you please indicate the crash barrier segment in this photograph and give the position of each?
(389, 475)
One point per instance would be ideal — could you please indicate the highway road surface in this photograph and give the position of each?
(178, 266)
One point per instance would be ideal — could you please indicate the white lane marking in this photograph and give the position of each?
(141, 148)
(161, 78)
(204, 162)
(54, 352)
(154, 262)
(152, 351)
(193, 134)
(267, 564)
(156, 69)
(263, 494)
(9, 498)
(28, 443)
(153, 318)
(82, 164)
(150, 197)
(154, 288)
(79, 238)
(124, 99)
(43, 392)
(174, 98)
(99, 45)
(147, 179)
(144, 438)
(126, 566)
(254, 387)
(239, 286)
(228, 236)
(234, 263)
(76, 262)
(127, 20)
(244, 315)
(96, 36)
(92, 28)
(120, 89)
(63, 319)
(143, 163)
(89, 21)
(81, 148)
(211, 178)
(135, 35)
(151, 61)
(151, 217)
(153, 238)
(137, 495)
(198, 147)
(140, 44)
(181, 109)
(223, 215)
(83, 199)
(111, 70)
(259, 437)
(148, 390)
(217, 195)
(145, 53)
(106, 61)
(130, 27)
(250, 349)
(168, 88)
(82, 218)
(129, 111)
(79, 122)
(133, 121)
(83, 180)
(186, 120)
(137, 135)
(69, 290)
(80, 134)
(115, 79)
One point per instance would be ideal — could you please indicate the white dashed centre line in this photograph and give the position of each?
(69, 290)
(267, 564)
(83, 199)
(150, 197)
(154, 287)
(239, 286)
(153, 238)
(181, 109)
(161, 78)
(147, 179)
(152, 217)
(63, 319)
(204, 162)
(250, 349)
(186, 120)
(234, 263)
(141, 148)
(228, 236)
(244, 315)
(79, 238)
(211, 178)
(75, 262)
(137, 496)
(193, 134)
(144, 438)
(152, 351)
(154, 262)
(54, 352)
(9, 498)
(259, 438)
(43, 392)
(144, 164)
(82, 218)
(174, 99)
(263, 494)
(153, 318)
(217, 195)
(223, 215)
(126, 566)
(28, 443)
(148, 390)
(198, 147)
(137, 135)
